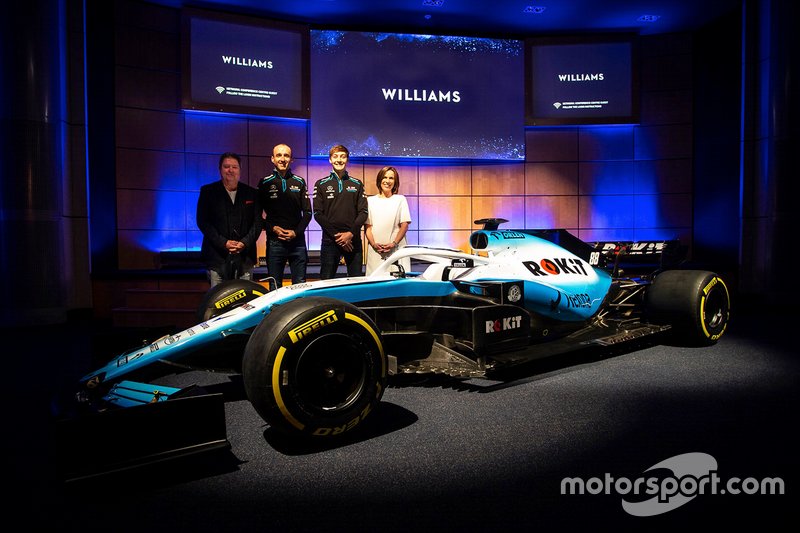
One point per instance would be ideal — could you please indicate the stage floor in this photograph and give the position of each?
(445, 454)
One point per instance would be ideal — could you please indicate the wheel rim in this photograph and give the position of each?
(716, 310)
(331, 372)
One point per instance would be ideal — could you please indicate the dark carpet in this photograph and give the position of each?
(440, 454)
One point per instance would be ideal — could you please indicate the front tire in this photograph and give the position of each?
(228, 295)
(315, 367)
(696, 303)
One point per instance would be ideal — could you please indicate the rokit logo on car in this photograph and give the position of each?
(504, 324)
(555, 266)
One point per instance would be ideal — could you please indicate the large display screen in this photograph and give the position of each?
(245, 65)
(580, 80)
(389, 94)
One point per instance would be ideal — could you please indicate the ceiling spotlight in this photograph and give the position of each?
(432, 3)
(534, 9)
(648, 18)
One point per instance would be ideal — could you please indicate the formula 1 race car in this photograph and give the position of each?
(317, 355)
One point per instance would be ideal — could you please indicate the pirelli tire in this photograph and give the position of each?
(696, 303)
(315, 367)
(228, 295)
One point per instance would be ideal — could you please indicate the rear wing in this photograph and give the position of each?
(654, 255)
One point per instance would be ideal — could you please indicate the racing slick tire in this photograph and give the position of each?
(228, 295)
(696, 303)
(315, 367)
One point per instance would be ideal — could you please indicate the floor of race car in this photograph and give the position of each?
(443, 454)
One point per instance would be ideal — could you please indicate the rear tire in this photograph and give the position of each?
(315, 367)
(228, 295)
(696, 303)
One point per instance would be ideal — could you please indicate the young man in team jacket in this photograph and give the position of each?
(340, 208)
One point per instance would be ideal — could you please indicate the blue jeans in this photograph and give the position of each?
(279, 252)
(330, 254)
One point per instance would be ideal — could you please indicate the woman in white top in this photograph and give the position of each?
(388, 220)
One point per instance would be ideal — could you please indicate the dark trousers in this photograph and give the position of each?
(280, 252)
(330, 254)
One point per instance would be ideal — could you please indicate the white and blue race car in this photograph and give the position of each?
(317, 355)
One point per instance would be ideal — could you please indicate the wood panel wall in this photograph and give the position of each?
(610, 182)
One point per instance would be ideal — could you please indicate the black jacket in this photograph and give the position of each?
(340, 205)
(221, 220)
(285, 202)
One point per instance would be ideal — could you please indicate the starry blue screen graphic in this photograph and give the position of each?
(402, 95)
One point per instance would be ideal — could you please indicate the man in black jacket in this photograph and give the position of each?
(284, 197)
(340, 208)
(229, 215)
